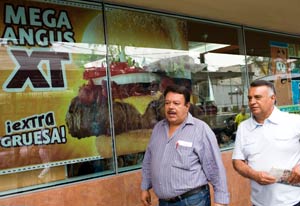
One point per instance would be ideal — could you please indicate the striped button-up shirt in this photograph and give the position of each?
(188, 159)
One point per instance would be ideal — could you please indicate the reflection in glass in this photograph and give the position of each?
(140, 68)
(275, 58)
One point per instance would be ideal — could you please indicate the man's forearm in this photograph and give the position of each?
(243, 169)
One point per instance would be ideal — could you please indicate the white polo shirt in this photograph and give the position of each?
(275, 143)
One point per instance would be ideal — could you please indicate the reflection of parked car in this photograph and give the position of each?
(224, 128)
(222, 124)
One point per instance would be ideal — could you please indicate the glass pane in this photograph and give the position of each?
(275, 58)
(155, 51)
(51, 112)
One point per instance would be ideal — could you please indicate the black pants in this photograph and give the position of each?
(298, 204)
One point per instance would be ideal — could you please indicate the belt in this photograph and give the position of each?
(187, 194)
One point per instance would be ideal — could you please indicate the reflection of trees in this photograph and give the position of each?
(82, 59)
(262, 63)
(118, 54)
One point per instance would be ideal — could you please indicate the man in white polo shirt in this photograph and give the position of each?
(268, 142)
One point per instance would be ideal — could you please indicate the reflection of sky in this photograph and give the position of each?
(146, 56)
(215, 60)
(149, 55)
(80, 48)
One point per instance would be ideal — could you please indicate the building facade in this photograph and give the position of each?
(82, 85)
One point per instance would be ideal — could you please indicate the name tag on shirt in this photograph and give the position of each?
(184, 143)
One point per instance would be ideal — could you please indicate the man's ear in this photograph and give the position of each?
(273, 97)
(188, 104)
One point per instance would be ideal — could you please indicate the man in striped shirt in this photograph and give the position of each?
(182, 157)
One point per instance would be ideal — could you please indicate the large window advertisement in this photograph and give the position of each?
(51, 112)
(276, 58)
(79, 100)
(147, 52)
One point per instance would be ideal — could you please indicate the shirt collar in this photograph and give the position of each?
(188, 120)
(274, 118)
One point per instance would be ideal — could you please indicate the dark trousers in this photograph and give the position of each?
(201, 198)
(298, 204)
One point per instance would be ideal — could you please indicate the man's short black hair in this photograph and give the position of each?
(179, 90)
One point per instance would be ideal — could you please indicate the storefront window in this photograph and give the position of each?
(147, 52)
(275, 58)
(79, 100)
(51, 112)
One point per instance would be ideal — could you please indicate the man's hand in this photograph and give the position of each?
(264, 178)
(146, 198)
(245, 170)
(294, 177)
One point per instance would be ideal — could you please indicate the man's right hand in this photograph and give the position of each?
(245, 170)
(146, 198)
(264, 178)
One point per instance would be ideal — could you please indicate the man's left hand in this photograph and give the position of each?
(294, 178)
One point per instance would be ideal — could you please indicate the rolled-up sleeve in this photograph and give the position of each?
(237, 151)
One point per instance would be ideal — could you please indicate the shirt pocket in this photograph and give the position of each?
(287, 142)
(251, 149)
(182, 158)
